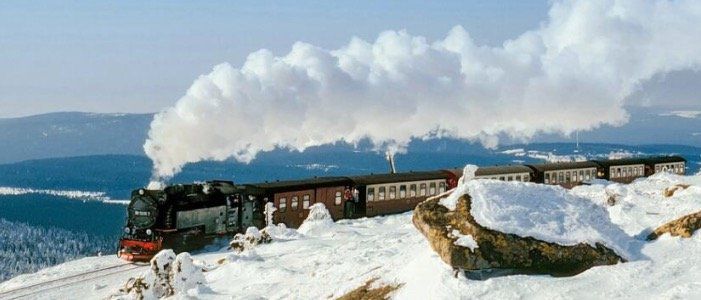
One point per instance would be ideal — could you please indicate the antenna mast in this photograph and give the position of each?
(390, 159)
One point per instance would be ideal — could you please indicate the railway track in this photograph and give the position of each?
(35, 290)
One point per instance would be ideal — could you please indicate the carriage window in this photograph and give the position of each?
(432, 188)
(567, 177)
(547, 178)
(441, 187)
(581, 174)
(337, 199)
(305, 201)
(381, 193)
(518, 177)
(502, 178)
(574, 176)
(283, 204)
(510, 178)
(294, 202)
(561, 177)
(402, 191)
(392, 192)
(526, 178)
(586, 175)
(412, 190)
(371, 194)
(422, 189)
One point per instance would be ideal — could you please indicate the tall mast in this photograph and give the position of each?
(390, 159)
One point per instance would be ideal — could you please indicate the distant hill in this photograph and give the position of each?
(69, 134)
(647, 125)
(72, 134)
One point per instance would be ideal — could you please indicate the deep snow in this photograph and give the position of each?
(351, 252)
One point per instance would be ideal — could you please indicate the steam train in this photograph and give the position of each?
(187, 216)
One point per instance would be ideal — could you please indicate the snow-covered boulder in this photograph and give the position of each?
(250, 239)
(159, 277)
(487, 224)
(684, 227)
(169, 275)
(318, 221)
(280, 232)
(185, 275)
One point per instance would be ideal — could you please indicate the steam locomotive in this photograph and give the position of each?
(187, 216)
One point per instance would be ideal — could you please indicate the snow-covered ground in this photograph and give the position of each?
(334, 258)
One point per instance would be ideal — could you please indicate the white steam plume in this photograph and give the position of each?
(573, 73)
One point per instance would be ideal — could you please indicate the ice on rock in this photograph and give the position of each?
(465, 240)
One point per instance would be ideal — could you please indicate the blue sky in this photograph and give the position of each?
(132, 56)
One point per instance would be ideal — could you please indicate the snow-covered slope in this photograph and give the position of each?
(390, 249)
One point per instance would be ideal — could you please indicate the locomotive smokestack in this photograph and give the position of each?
(390, 160)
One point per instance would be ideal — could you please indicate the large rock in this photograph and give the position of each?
(684, 227)
(464, 244)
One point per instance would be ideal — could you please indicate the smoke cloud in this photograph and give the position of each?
(572, 73)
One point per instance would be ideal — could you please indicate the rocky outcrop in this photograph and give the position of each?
(684, 227)
(669, 192)
(496, 250)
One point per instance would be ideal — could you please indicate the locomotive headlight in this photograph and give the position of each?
(141, 192)
(149, 232)
(126, 229)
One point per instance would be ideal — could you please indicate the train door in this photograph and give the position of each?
(247, 206)
(233, 213)
(359, 196)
